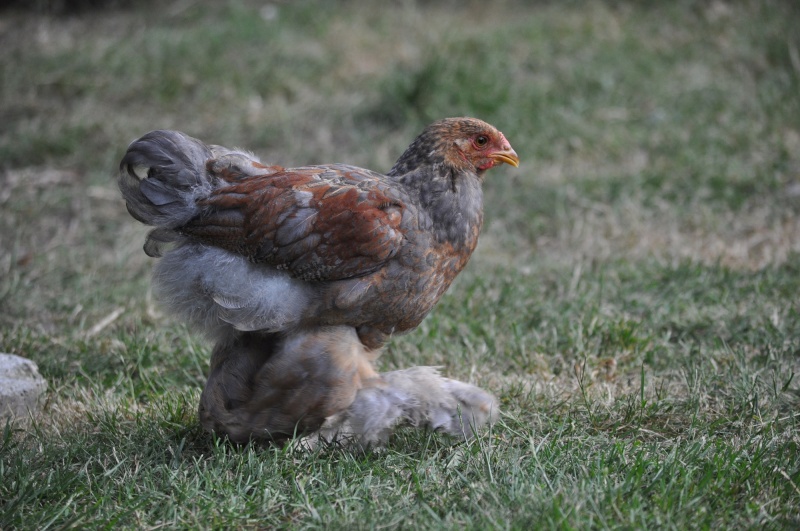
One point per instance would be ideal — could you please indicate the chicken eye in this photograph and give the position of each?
(481, 140)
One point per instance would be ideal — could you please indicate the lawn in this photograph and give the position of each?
(633, 301)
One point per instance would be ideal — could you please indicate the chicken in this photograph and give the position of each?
(301, 275)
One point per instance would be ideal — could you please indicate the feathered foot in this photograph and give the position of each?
(419, 397)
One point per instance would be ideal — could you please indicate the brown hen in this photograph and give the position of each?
(301, 275)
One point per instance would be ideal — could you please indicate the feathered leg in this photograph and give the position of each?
(271, 387)
(322, 383)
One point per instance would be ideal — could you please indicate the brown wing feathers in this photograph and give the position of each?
(318, 229)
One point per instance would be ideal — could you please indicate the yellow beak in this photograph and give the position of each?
(508, 155)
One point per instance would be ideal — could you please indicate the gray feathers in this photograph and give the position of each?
(217, 291)
(162, 175)
(419, 397)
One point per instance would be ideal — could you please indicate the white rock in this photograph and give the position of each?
(21, 387)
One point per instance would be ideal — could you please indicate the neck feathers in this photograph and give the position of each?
(452, 201)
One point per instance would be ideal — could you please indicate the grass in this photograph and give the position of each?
(633, 301)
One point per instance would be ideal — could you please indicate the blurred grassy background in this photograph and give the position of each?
(636, 281)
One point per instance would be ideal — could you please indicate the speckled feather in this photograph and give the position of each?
(319, 223)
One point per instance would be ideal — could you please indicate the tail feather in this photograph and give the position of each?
(164, 173)
(159, 241)
(161, 176)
